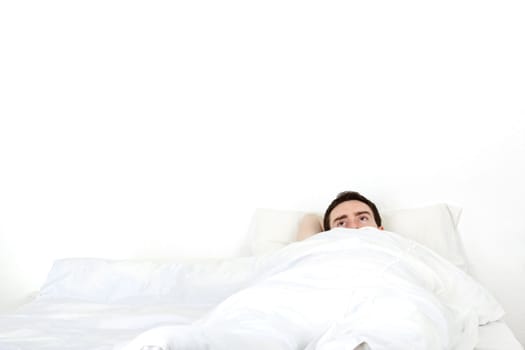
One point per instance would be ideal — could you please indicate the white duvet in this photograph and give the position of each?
(342, 289)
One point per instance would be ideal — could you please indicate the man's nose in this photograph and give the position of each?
(352, 224)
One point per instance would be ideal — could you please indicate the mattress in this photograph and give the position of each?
(69, 325)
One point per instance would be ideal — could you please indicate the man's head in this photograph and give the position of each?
(351, 210)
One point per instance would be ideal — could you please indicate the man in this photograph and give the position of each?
(349, 210)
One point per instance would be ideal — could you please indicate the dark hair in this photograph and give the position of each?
(350, 196)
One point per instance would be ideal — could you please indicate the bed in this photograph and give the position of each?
(104, 304)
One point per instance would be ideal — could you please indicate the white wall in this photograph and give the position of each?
(134, 123)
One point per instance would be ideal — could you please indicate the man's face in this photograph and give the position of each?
(352, 214)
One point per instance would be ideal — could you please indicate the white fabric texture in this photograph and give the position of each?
(340, 290)
(434, 226)
(68, 325)
(73, 325)
(124, 282)
(495, 336)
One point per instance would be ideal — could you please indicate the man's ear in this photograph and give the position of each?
(381, 228)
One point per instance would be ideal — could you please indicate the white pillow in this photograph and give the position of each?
(433, 226)
(271, 229)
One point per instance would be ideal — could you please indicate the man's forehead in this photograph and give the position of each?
(350, 207)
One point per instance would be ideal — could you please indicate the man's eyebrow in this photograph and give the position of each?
(344, 216)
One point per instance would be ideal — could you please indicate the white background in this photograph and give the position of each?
(136, 124)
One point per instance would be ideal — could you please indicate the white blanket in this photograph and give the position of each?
(342, 289)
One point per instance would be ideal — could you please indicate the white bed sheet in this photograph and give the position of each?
(497, 336)
(62, 325)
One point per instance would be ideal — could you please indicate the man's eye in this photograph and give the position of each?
(364, 218)
(340, 223)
